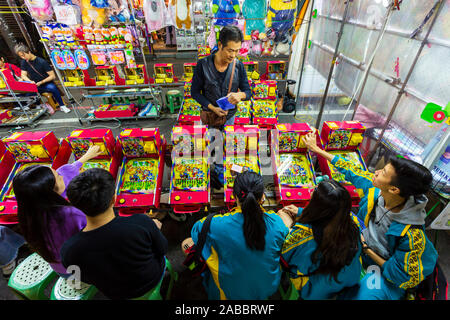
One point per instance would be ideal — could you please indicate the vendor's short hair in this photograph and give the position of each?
(230, 33)
(20, 47)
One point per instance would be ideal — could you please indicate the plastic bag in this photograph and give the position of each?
(40, 10)
(155, 12)
(254, 12)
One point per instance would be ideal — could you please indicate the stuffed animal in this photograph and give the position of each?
(59, 35)
(118, 11)
(47, 32)
(88, 34)
(281, 16)
(254, 12)
(183, 13)
(225, 11)
(284, 46)
(154, 11)
(92, 14)
(40, 10)
(68, 36)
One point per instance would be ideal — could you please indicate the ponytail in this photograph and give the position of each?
(249, 189)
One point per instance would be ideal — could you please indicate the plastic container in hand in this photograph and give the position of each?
(224, 104)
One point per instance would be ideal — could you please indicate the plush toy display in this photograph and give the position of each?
(183, 13)
(118, 11)
(154, 12)
(225, 12)
(254, 12)
(47, 32)
(281, 16)
(40, 10)
(91, 14)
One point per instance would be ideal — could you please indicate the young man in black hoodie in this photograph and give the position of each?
(124, 257)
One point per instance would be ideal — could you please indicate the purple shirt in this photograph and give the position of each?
(69, 219)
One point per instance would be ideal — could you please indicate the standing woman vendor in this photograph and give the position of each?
(393, 211)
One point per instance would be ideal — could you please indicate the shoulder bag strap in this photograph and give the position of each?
(232, 75)
(34, 68)
(202, 236)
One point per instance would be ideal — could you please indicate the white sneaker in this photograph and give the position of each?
(64, 109)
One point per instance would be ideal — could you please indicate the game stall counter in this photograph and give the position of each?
(265, 113)
(190, 172)
(189, 113)
(244, 112)
(140, 176)
(343, 138)
(295, 178)
(241, 153)
(25, 149)
(111, 153)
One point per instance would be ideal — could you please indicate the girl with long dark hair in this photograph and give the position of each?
(242, 248)
(46, 218)
(323, 246)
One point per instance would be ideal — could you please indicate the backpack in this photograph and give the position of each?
(433, 287)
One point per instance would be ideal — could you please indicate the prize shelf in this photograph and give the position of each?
(28, 116)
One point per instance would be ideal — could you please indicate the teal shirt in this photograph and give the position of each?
(412, 255)
(236, 272)
(297, 251)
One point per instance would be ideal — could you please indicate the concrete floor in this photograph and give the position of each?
(175, 231)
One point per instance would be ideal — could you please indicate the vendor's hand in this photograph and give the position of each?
(310, 141)
(234, 97)
(219, 111)
(93, 152)
(158, 223)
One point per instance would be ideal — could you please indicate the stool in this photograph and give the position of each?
(62, 290)
(51, 100)
(174, 100)
(31, 277)
(155, 293)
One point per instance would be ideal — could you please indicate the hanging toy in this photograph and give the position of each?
(91, 14)
(81, 59)
(68, 36)
(69, 59)
(58, 59)
(40, 10)
(225, 12)
(47, 32)
(98, 36)
(254, 12)
(183, 13)
(118, 11)
(154, 14)
(99, 3)
(114, 35)
(59, 35)
(67, 13)
(88, 34)
(281, 16)
(106, 34)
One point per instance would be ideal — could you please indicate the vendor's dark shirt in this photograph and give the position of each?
(41, 66)
(198, 84)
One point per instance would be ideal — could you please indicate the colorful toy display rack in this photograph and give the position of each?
(252, 69)
(189, 113)
(108, 76)
(265, 113)
(142, 170)
(343, 138)
(115, 110)
(23, 150)
(164, 73)
(294, 173)
(189, 182)
(275, 70)
(136, 75)
(241, 153)
(188, 71)
(111, 153)
(244, 112)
